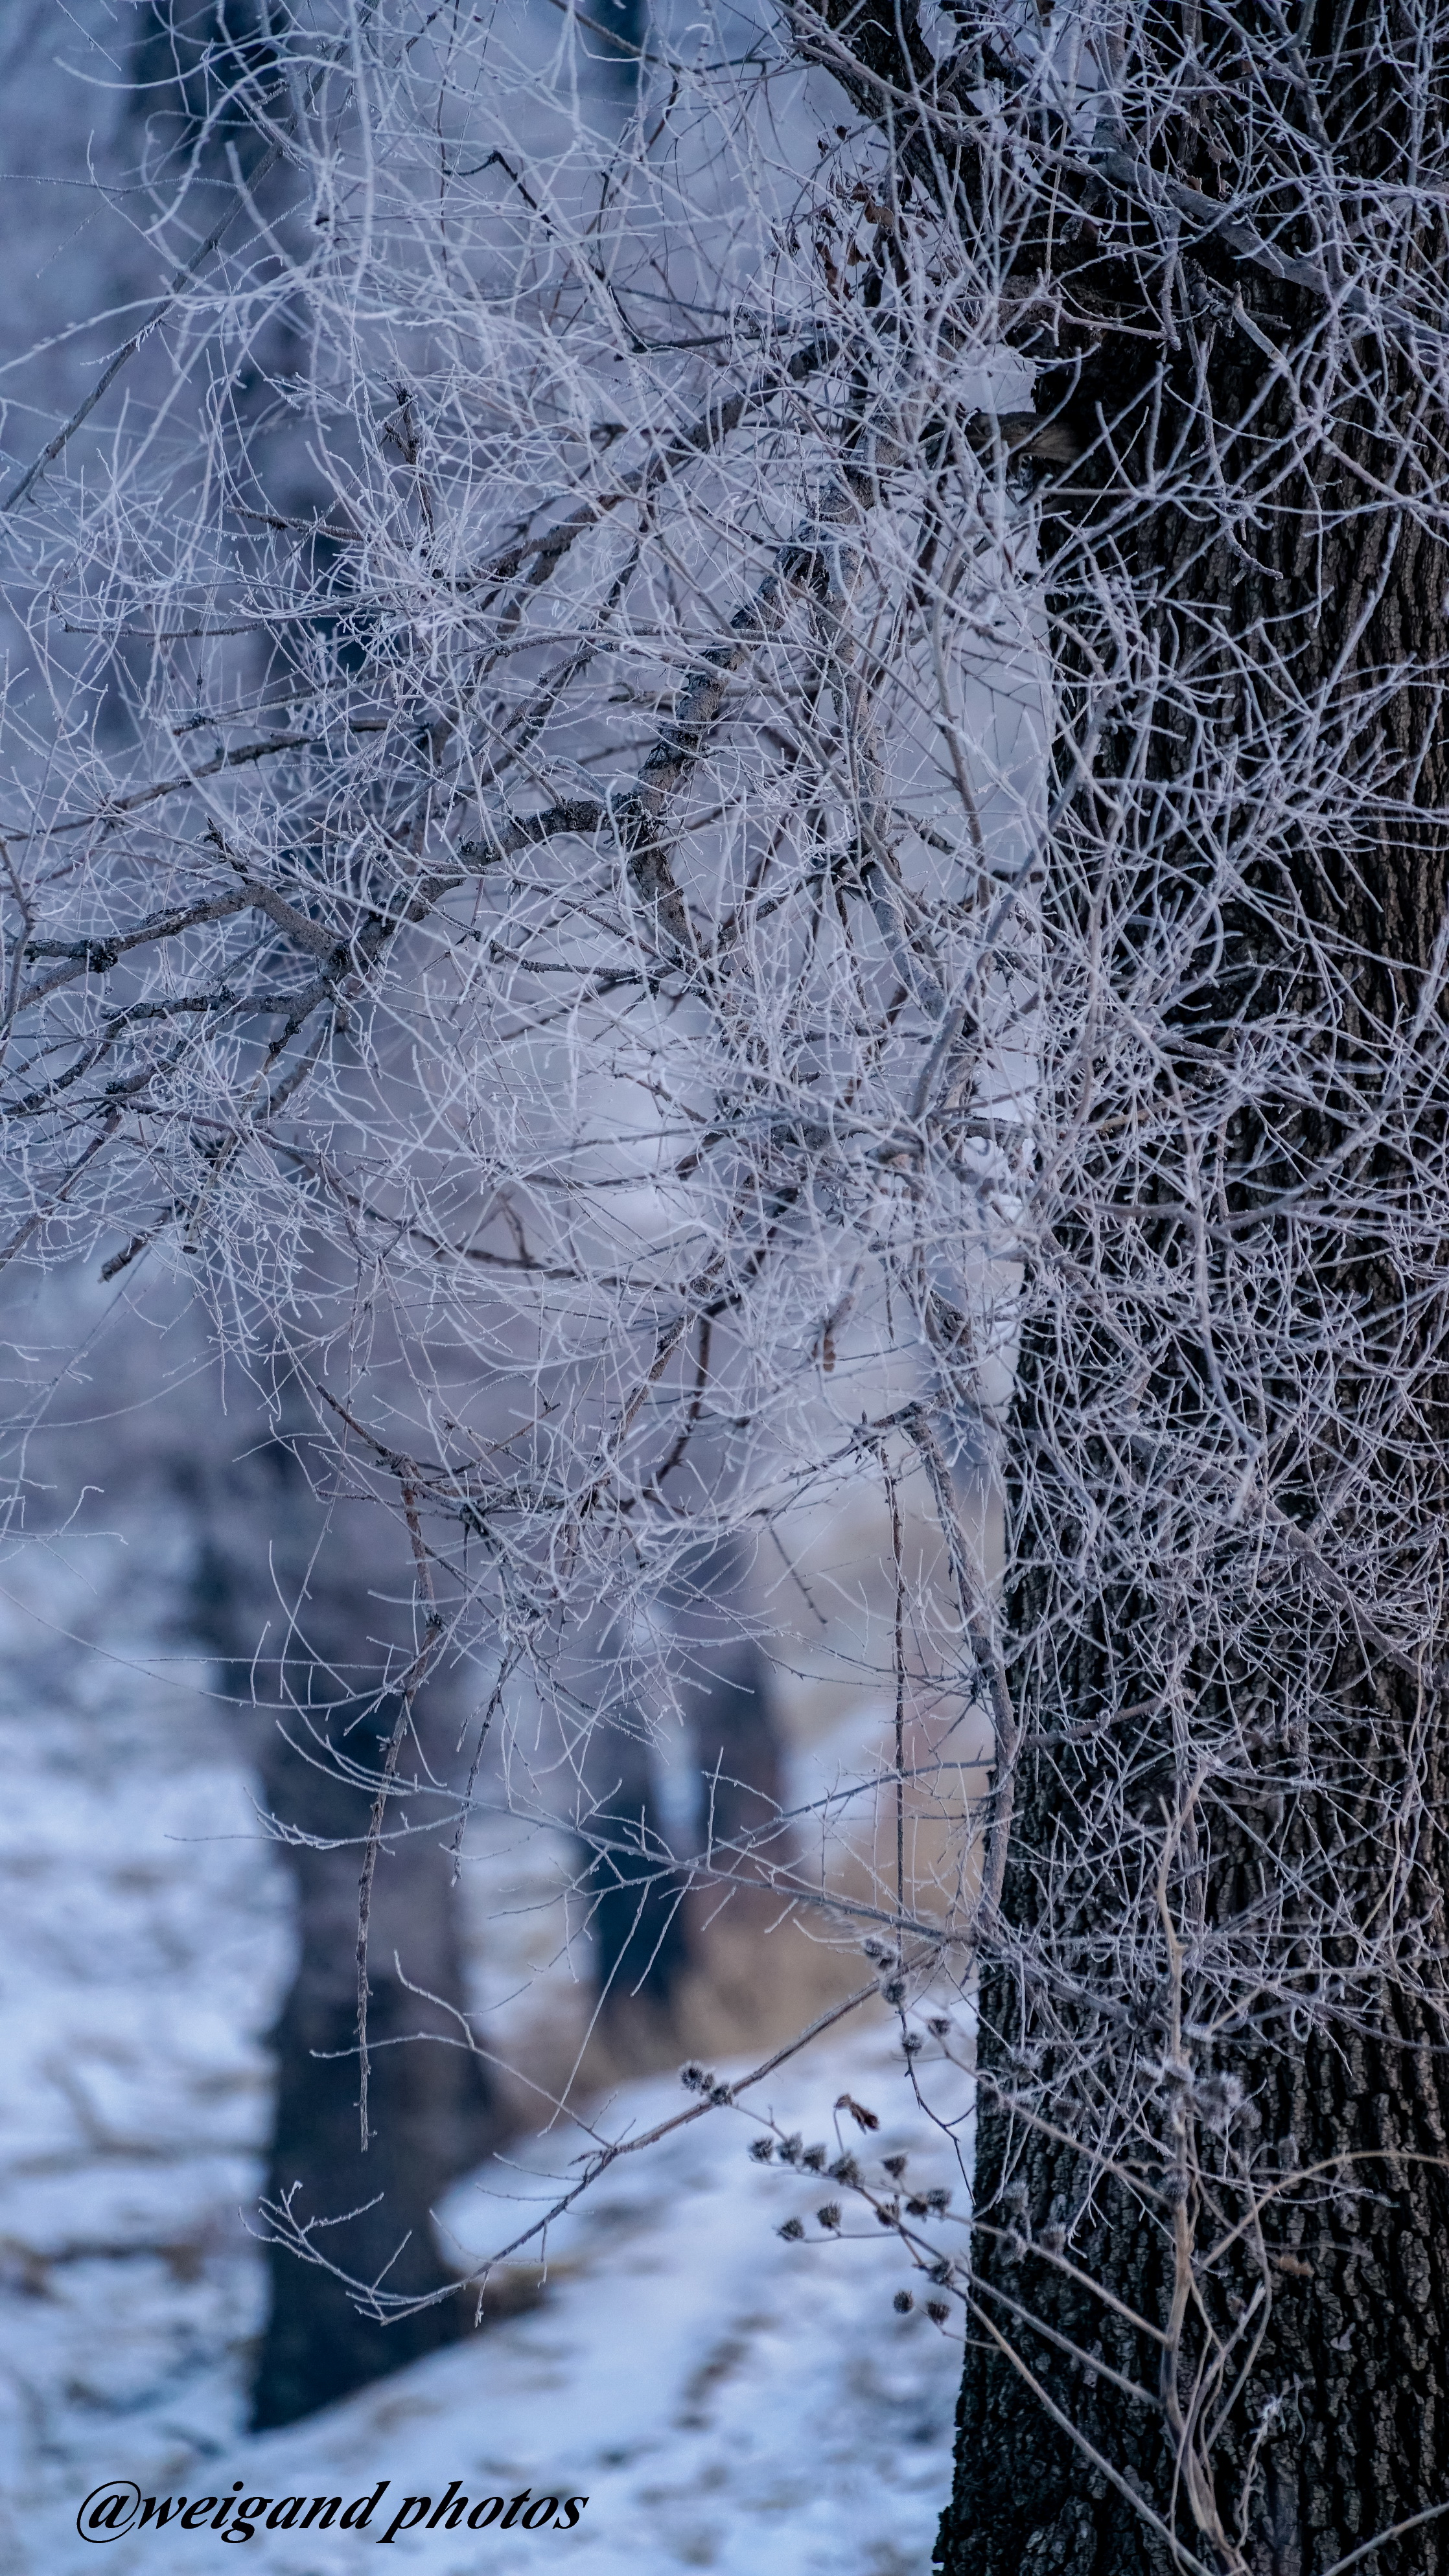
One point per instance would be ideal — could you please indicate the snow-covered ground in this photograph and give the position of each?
(723, 2397)
(145, 1948)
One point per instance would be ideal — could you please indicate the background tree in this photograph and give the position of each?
(653, 1924)
(300, 1604)
(844, 814)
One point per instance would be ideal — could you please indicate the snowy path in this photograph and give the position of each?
(724, 2398)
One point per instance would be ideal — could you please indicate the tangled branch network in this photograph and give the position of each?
(624, 843)
(547, 954)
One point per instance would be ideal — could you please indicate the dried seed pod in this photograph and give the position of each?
(863, 2118)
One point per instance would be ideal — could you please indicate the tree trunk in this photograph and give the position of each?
(295, 1605)
(1208, 2303)
(432, 2115)
(675, 1899)
(1208, 2287)
(738, 1836)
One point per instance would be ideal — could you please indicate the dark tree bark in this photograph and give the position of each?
(1349, 2420)
(1286, 568)
(635, 1893)
(668, 1903)
(294, 1601)
(739, 1838)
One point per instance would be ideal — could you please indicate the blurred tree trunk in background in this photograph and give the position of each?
(292, 1601)
(676, 1888)
(738, 1764)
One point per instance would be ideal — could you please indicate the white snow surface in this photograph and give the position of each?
(725, 2399)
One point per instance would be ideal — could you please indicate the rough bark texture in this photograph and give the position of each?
(1354, 2359)
(1347, 2413)
(1308, 568)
